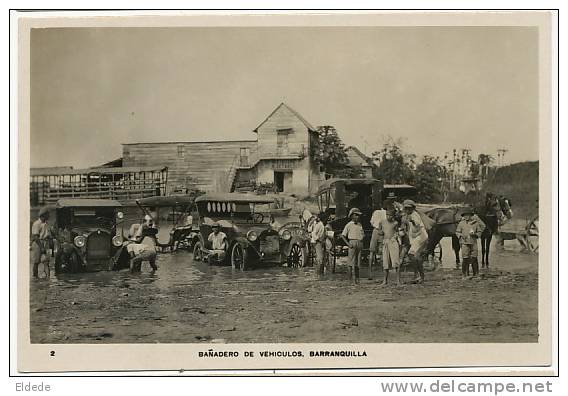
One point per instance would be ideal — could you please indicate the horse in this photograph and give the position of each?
(493, 212)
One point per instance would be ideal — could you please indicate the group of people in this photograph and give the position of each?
(400, 232)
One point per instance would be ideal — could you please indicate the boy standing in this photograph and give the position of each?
(353, 236)
(468, 231)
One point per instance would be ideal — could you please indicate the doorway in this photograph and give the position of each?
(282, 181)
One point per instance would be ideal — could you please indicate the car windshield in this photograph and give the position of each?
(92, 216)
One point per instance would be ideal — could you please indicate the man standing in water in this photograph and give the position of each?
(39, 240)
(418, 238)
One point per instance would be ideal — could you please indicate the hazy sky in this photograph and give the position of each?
(439, 87)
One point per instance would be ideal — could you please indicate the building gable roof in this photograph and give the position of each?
(285, 106)
(358, 152)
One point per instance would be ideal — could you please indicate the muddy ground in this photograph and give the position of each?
(186, 301)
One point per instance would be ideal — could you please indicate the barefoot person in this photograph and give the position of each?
(353, 236)
(389, 228)
(376, 237)
(418, 238)
(468, 231)
(40, 236)
(140, 252)
(317, 239)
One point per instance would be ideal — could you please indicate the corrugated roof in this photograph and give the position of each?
(86, 202)
(127, 169)
(234, 197)
(300, 117)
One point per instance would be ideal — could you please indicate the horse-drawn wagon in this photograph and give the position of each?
(525, 231)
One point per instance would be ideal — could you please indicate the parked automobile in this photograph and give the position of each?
(87, 234)
(337, 196)
(251, 240)
(172, 213)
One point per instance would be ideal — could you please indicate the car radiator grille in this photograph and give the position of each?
(98, 245)
(270, 244)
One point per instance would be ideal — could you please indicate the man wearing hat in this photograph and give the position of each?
(417, 235)
(468, 231)
(353, 236)
(218, 241)
(40, 235)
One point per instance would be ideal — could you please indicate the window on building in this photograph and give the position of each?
(282, 140)
(245, 153)
(181, 150)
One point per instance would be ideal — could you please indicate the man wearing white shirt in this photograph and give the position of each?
(317, 236)
(218, 241)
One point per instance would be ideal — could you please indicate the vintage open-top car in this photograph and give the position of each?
(87, 234)
(251, 239)
(173, 219)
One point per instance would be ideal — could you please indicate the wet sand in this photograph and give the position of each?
(188, 302)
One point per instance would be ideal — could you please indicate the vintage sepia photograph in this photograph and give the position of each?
(275, 183)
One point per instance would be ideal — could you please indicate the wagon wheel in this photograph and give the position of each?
(532, 234)
(296, 258)
(197, 252)
(238, 257)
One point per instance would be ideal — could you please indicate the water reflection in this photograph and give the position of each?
(174, 270)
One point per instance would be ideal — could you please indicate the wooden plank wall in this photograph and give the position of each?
(208, 163)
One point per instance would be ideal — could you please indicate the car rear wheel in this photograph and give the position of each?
(238, 257)
(197, 253)
(296, 257)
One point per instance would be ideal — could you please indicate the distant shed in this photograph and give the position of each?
(120, 183)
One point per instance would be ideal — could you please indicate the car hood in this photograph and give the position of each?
(89, 230)
(243, 228)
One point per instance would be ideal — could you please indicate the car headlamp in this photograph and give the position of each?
(79, 241)
(286, 235)
(120, 215)
(252, 236)
(117, 240)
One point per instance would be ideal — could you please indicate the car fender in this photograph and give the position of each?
(242, 241)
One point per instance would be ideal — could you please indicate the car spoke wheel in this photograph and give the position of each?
(296, 258)
(238, 257)
(197, 253)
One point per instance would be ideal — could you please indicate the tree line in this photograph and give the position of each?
(390, 163)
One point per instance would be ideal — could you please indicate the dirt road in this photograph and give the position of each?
(186, 302)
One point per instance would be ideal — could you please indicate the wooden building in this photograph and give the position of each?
(278, 155)
(47, 185)
(356, 158)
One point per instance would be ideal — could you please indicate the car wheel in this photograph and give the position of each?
(238, 257)
(74, 263)
(296, 257)
(197, 253)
